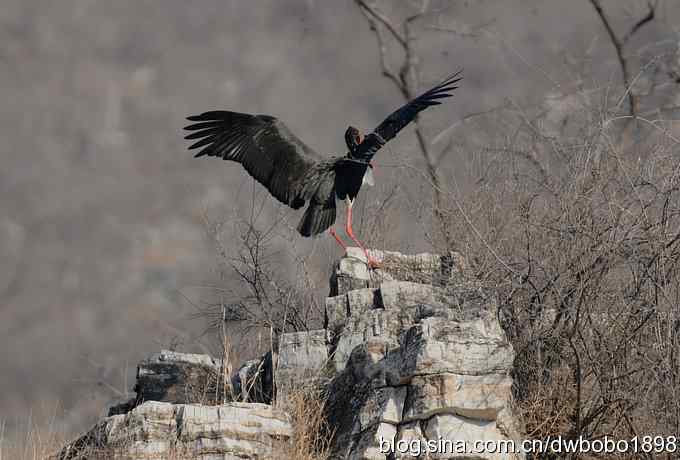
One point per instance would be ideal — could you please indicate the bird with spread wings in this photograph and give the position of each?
(294, 173)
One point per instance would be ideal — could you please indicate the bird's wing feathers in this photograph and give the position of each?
(265, 147)
(401, 117)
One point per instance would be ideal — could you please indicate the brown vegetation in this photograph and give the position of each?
(574, 219)
(569, 207)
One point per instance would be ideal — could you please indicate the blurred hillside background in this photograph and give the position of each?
(104, 246)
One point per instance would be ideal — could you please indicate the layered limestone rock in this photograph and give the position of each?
(254, 380)
(161, 430)
(302, 359)
(181, 378)
(425, 357)
(412, 360)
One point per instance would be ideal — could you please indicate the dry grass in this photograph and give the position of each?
(578, 233)
(311, 433)
(585, 263)
(37, 442)
(579, 236)
(124, 452)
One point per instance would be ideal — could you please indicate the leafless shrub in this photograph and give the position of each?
(38, 440)
(267, 297)
(402, 34)
(586, 260)
(311, 433)
(575, 222)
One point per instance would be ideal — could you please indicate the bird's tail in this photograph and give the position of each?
(317, 218)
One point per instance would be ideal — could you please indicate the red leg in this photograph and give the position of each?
(337, 238)
(372, 263)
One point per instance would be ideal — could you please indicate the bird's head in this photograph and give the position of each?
(353, 138)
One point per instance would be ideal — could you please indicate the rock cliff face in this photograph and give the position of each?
(162, 430)
(411, 353)
(418, 356)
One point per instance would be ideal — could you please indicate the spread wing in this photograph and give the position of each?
(266, 148)
(401, 117)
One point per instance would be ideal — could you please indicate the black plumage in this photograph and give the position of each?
(291, 171)
(401, 117)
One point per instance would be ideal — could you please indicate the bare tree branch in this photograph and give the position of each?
(406, 81)
(618, 46)
(619, 43)
(463, 30)
(646, 19)
(387, 71)
(383, 20)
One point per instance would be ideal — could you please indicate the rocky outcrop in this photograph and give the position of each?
(412, 355)
(161, 430)
(425, 361)
(180, 378)
(254, 380)
(302, 357)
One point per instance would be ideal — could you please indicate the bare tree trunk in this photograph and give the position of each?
(406, 81)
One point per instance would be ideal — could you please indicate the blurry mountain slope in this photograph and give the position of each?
(100, 203)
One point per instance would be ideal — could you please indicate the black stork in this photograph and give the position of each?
(294, 173)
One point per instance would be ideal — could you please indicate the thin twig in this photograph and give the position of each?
(463, 30)
(619, 43)
(646, 19)
(382, 51)
(383, 20)
(406, 81)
